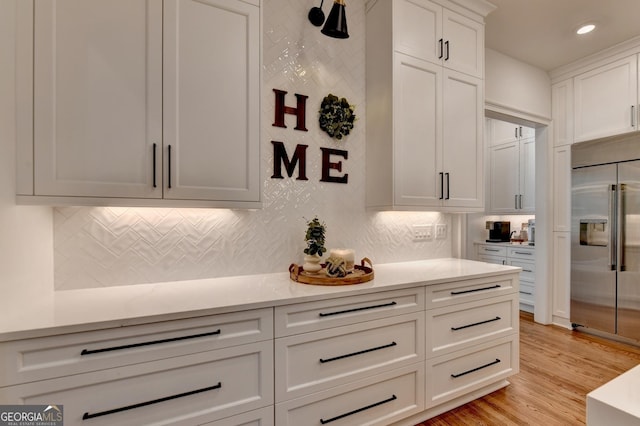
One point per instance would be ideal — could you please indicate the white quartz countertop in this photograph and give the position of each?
(616, 402)
(80, 310)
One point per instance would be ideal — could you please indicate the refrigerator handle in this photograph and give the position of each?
(623, 226)
(613, 202)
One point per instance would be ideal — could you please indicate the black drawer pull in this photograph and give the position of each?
(357, 309)
(455, 376)
(476, 323)
(335, 358)
(527, 270)
(527, 293)
(488, 249)
(525, 253)
(455, 293)
(152, 342)
(342, 416)
(87, 416)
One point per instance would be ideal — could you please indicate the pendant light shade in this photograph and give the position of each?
(336, 25)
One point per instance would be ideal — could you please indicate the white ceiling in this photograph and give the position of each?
(542, 32)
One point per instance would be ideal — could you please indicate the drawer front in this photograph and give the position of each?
(261, 417)
(528, 269)
(521, 253)
(460, 326)
(447, 294)
(378, 400)
(527, 293)
(316, 361)
(313, 316)
(461, 372)
(57, 356)
(492, 250)
(186, 390)
(493, 259)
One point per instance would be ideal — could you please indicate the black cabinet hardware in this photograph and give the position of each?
(335, 358)
(455, 293)
(526, 293)
(154, 165)
(455, 376)
(448, 186)
(87, 416)
(342, 416)
(476, 323)
(346, 311)
(446, 44)
(169, 167)
(441, 49)
(441, 185)
(151, 342)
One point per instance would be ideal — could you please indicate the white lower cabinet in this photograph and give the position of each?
(378, 400)
(378, 357)
(186, 390)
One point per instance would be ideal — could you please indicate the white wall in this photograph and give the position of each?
(100, 247)
(516, 85)
(26, 233)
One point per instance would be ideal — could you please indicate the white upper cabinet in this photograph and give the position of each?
(562, 112)
(606, 100)
(97, 97)
(136, 100)
(424, 120)
(428, 31)
(511, 168)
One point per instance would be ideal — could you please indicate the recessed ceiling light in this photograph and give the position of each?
(586, 29)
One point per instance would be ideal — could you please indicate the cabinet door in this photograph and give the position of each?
(562, 112)
(211, 100)
(418, 29)
(605, 100)
(527, 195)
(97, 98)
(462, 144)
(463, 44)
(562, 189)
(502, 132)
(503, 175)
(417, 130)
(561, 274)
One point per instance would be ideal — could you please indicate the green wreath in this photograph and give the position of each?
(336, 116)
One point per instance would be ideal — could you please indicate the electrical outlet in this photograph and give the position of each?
(441, 231)
(422, 232)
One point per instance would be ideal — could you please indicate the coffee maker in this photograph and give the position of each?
(499, 231)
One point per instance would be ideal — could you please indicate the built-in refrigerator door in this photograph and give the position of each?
(593, 252)
(629, 262)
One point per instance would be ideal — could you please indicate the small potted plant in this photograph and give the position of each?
(315, 245)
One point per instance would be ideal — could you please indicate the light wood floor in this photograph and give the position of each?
(558, 368)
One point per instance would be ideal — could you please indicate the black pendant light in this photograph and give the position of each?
(316, 15)
(336, 25)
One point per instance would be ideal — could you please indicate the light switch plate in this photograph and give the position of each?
(441, 231)
(422, 232)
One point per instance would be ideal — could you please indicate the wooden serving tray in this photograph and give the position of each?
(360, 274)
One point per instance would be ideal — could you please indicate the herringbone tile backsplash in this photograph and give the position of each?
(108, 246)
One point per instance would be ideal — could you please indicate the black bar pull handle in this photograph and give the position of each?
(151, 342)
(448, 186)
(441, 185)
(476, 323)
(441, 49)
(154, 165)
(169, 167)
(87, 416)
(455, 293)
(347, 311)
(446, 44)
(455, 376)
(335, 358)
(342, 416)
(526, 293)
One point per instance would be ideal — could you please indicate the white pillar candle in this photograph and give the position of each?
(347, 254)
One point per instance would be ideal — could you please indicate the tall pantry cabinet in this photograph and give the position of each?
(425, 100)
(134, 99)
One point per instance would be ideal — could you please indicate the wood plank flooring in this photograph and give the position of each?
(558, 368)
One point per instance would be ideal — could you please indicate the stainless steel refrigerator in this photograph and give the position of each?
(605, 237)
